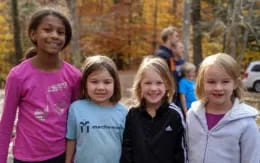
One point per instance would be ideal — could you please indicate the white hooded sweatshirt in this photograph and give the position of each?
(234, 139)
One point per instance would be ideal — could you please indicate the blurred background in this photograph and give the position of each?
(126, 30)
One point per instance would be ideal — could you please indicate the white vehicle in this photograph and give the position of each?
(252, 76)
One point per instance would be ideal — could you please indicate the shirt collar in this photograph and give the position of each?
(162, 109)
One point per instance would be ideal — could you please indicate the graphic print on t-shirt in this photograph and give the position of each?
(57, 101)
(85, 127)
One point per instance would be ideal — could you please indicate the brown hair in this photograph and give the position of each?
(166, 32)
(97, 63)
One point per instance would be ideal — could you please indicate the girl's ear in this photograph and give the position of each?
(32, 35)
(236, 83)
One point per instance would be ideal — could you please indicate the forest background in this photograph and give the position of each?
(127, 30)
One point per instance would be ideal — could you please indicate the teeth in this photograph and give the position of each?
(54, 44)
(153, 95)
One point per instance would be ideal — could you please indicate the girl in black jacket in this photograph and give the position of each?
(154, 129)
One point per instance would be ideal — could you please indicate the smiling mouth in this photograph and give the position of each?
(103, 94)
(218, 95)
(154, 95)
(54, 45)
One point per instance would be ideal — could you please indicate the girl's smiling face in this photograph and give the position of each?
(100, 87)
(49, 35)
(153, 88)
(218, 87)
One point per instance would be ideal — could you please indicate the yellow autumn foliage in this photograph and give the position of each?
(6, 44)
(129, 28)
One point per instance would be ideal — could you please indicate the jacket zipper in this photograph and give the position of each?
(207, 140)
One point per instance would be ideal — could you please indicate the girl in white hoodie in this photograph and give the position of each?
(220, 127)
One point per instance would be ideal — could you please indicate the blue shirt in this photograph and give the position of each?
(97, 130)
(187, 87)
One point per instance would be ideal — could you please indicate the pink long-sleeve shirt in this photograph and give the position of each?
(42, 100)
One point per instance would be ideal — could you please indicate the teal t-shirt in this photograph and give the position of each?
(98, 131)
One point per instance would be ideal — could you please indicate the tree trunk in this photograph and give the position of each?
(174, 6)
(75, 50)
(17, 32)
(155, 24)
(196, 41)
(129, 37)
(231, 32)
(245, 37)
(186, 28)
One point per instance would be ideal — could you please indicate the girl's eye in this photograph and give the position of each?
(93, 81)
(47, 29)
(61, 32)
(159, 83)
(226, 81)
(211, 82)
(108, 82)
(148, 83)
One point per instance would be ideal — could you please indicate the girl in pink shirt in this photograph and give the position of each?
(42, 87)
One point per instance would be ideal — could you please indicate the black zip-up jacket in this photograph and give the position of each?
(154, 140)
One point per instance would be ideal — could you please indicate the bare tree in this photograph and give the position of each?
(245, 37)
(174, 6)
(196, 40)
(230, 40)
(155, 13)
(186, 28)
(75, 50)
(17, 32)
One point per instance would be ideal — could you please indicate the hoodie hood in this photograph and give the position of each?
(238, 111)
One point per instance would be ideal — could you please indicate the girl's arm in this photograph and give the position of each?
(11, 100)
(70, 150)
(250, 143)
(183, 102)
(180, 154)
(76, 89)
(127, 147)
(71, 135)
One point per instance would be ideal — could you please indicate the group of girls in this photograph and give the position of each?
(68, 116)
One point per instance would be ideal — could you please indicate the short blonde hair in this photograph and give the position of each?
(98, 63)
(160, 66)
(225, 62)
(187, 67)
(166, 32)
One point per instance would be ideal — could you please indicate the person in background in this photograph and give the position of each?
(187, 85)
(169, 36)
(96, 121)
(171, 51)
(178, 51)
(220, 127)
(154, 129)
(43, 86)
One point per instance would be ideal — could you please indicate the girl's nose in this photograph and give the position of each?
(54, 34)
(100, 86)
(218, 86)
(153, 87)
